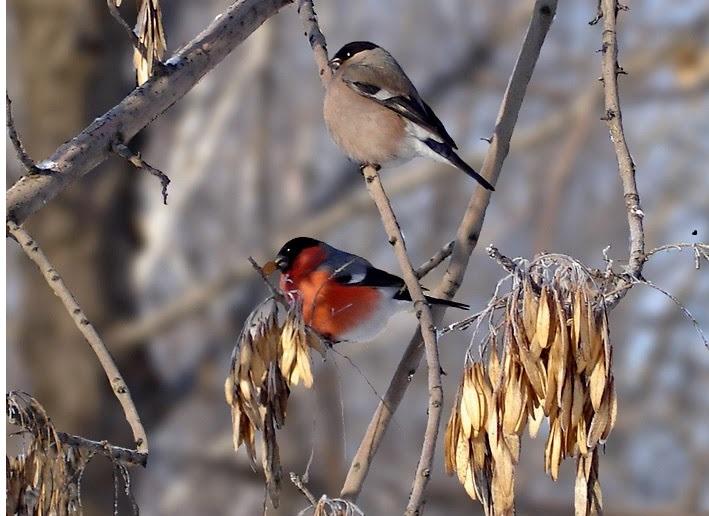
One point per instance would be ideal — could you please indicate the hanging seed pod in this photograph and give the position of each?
(613, 410)
(562, 352)
(545, 323)
(295, 359)
(597, 383)
(529, 315)
(450, 441)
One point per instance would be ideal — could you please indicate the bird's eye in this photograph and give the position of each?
(349, 54)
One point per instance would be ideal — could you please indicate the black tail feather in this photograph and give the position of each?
(449, 154)
(446, 302)
(405, 296)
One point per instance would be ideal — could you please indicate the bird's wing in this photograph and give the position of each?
(353, 270)
(370, 82)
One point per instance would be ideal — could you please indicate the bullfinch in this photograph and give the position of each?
(343, 296)
(376, 116)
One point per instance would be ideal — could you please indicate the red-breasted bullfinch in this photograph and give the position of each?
(343, 296)
(376, 116)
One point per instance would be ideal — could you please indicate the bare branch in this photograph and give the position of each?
(55, 282)
(15, 139)
(277, 294)
(117, 453)
(435, 260)
(315, 38)
(134, 159)
(298, 482)
(614, 120)
(428, 333)
(93, 145)
(467, 238)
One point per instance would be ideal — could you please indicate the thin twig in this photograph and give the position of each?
(22, 155)
(435, 260)
(55, 282)
(505, 262)
(134, 159)
(468, 233)
(117, 453)
(614, 119)
(298, 482)
(277, 294)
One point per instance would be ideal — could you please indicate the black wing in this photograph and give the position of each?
(413, 109)
(369, 277)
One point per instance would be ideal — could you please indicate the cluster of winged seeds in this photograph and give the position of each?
(548, 357)
(271, 356)
(44, 479)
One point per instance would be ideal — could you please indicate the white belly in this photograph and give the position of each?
(376, 324)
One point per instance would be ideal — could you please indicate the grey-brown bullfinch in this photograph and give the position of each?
(343, 296)
(377, 117)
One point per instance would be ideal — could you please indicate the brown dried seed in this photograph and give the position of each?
(451, 436)
(529, 310)
(613, 409)
(597, 383)
(581, 437)
(566, 404)
(512, 400)
(462, 458)
(599, 422)
(535, 421)
(493, 368)
(544, 329)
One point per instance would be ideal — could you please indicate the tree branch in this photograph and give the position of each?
(117, 453)
(435, 260)
(15, 138)
(93, 145)
(467, 237)
(428, 332)
(55, 282)
(608, 10)
(134, 159)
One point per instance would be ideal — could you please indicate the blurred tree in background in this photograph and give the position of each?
(251, 166)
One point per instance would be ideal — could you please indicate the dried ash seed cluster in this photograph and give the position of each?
(269, 359)
(546, 354)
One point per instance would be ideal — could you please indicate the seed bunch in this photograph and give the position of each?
(45, 478)
(554, 363)
(269, 359)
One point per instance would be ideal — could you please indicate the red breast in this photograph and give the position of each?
(329, 308)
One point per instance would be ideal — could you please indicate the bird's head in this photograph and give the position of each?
(292, 250)
(349, 51)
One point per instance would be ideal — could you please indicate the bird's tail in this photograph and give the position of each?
(446, 302)
(447, 153)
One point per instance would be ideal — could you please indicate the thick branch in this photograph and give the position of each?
(55, 282)
(466, 240)
(93, 145)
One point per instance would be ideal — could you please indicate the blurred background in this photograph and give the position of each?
(252, 165)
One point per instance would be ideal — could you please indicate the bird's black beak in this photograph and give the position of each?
(335, 63)
(281, 263)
